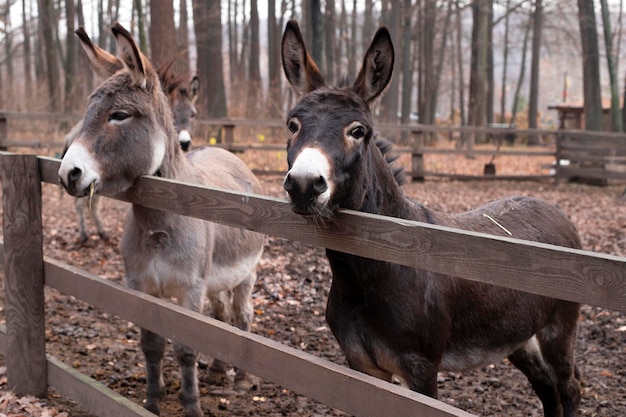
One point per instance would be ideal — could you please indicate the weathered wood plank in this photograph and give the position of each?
(497, 177)
(3, 339)
(91, 394)
(569, 274)
(595, 173)
(332, 384)
(4, 132)
(87, 392)
(23, 270)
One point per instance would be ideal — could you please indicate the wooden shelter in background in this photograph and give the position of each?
(572, 115)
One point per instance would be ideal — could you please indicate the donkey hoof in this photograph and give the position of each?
(218, 378)
(153, 408)
(247, 383)
(193, 411)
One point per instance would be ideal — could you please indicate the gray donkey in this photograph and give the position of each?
(128, 132)
(182, 96)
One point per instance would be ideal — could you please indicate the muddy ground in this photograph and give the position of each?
(290, 297)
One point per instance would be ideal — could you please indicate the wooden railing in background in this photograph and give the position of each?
(574, 154)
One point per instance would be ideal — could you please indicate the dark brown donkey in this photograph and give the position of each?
(128, 131)
(396, 320)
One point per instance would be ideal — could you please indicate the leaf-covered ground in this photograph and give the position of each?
(289, 298)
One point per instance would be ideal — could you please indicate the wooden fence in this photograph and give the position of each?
(575, 275)
(582, 154)
(591, 156)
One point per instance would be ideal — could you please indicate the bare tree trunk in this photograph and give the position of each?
(102, 31)
(317, 26)
(342, 49)
(533, 96)
(273, 30)
(505, 62)
(352, 41)
(255, 93)
(490, 72)
(426, 41)
(616, 119)
(407, 64)
(141, 25)
(46, 23)
(434, 92)
(242, 62)
(591, 65)
(87, 77)
(477, 106)
(183, 38)
(28, 77)
(233, 40)
(208, 28)
(329, 42)
(8, 91)
(162, 31)
(459, 45)
(522, 70)
(71, 82)
(389, 102)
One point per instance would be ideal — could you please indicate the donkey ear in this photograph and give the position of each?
(377, 67)
(104, 63)
(129, 54)
(300, 70)
(194, 88)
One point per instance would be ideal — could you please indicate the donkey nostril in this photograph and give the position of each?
(74, 174)
(320, 186)
(288, 183)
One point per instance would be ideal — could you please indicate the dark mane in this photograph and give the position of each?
(344, 82)
(386, 149)
(170, 82)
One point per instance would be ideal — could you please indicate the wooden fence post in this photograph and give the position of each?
(4, 132)
(417, 156)
(24, 275)
(229, 135)
(558, 170)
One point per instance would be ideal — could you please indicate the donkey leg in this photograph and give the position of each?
(192, 299)
(530, 361)
(79, 204)
(153, 347)
(557, 341)
(189, 393)
(95, 215)
(220, 310)
(243, 313)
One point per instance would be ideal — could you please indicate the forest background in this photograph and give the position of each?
(457, 62)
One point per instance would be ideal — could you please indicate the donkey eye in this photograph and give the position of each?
(357, 132)
(118, 116)
(293, 125)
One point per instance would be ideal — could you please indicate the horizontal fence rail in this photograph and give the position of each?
(93, 395)
(570, 274)
(574, 275)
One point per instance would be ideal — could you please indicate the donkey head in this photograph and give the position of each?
(127, 127)
(183, 102)
(330, 127)
(182, 94)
